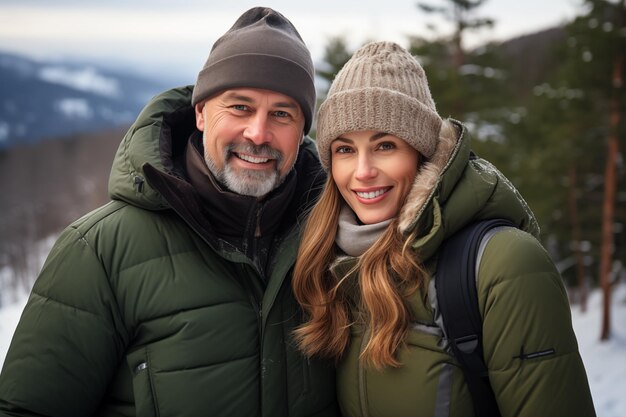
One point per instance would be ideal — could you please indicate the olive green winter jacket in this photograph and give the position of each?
(141, 311)
(521, 298)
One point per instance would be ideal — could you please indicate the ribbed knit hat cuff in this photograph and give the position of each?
(378, 109)
(259, 71)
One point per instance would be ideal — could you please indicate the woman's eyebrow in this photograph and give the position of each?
(342, 139)
(378, 135)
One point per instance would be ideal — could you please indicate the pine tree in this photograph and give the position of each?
(469, 85)
(462, 14)
(599, 39)
(336, 54)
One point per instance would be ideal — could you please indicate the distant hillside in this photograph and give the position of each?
(40, 100)
(532, 57)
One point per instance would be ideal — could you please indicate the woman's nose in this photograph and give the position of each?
(365, 168)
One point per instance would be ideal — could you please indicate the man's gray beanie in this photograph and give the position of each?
(262, 50)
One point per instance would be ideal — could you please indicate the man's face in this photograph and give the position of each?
(251, 138)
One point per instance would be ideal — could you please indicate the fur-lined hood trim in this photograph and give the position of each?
(455, 187)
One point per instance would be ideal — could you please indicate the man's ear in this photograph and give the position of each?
(199, 116)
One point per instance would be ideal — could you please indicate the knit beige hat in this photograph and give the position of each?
(383, 88)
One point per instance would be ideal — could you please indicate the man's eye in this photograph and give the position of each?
(240, 107)
(281, 113)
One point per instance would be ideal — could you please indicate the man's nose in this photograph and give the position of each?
(256, 130)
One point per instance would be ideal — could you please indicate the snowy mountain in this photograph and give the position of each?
(40, 100)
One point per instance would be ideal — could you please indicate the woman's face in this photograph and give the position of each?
(374, 172)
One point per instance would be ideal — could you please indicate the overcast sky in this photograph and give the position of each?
(176, 36)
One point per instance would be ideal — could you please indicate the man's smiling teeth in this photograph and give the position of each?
(372, 194)
(252, 159)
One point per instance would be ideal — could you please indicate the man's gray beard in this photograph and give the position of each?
(254, 183)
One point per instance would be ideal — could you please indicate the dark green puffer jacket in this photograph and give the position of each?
(140, 311)
(521, 297)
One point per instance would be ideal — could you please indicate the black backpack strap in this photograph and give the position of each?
(457, 299)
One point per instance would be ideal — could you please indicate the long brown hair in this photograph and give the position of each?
(388, 272)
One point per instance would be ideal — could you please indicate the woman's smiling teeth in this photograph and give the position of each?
(252, 159)
(372, 194)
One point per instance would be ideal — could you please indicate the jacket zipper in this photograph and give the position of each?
(254, 301)
(257, 229)
(252, 245)
(361, 376)
(144, 367)
(257, 306)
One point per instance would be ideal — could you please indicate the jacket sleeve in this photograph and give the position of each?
(69, 340)
(529, 344)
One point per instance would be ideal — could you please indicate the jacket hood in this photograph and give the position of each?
(157, 141)
(454, 188)
(158, 137)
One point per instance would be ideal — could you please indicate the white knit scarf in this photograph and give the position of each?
(354, 238)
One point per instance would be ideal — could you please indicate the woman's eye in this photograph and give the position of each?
(342, 149)
(386, 146)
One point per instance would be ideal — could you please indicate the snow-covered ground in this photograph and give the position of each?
(9, 316)
(605, 362)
